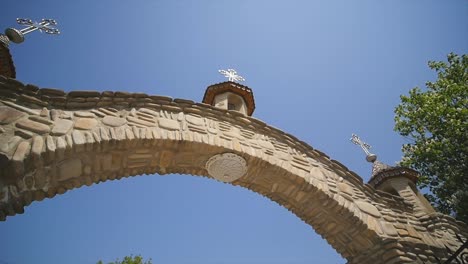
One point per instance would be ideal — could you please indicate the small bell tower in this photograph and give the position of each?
(231, 95)
(399, 181)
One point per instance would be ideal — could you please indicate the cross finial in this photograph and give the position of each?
(17, 36)
(232, 75)
(369, 156)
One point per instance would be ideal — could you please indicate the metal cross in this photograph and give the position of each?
(41, 26)
(356, 140)
(232, 75)
(17, 36)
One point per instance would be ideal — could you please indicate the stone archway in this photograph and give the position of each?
(52, 142)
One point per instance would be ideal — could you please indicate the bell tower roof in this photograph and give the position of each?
(243, 91)
(382, 172)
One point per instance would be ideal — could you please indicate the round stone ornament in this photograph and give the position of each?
(226, 167)
(14, 35)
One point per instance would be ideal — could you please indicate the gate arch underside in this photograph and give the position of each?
(52, 142)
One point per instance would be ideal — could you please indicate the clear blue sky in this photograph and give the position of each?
(320, 70)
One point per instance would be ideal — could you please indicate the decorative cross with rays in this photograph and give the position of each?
(356, 140)
(17, 36)
(232, 75)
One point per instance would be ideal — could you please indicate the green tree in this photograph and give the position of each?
(436, 123)
(129, 260)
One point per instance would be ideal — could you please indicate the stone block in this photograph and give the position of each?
(114, 121)
(8, 115)
(85, 123)
(84, 114)
(84, 94)
(61, 127)
(141, 122)
(51, 91)
(33, 126)
(389, 229)
(368, 208)
(69, 169)
(168, 124)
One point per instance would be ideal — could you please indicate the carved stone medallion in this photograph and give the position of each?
(226, 167)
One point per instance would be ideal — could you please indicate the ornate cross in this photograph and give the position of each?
(33, 26)
(17, 36)
(232, 75)
(356, 140)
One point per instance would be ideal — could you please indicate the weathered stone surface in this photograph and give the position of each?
(10, 145)
(61, 145)
(50, 144)
(78, 137)
(21, 151)
(61, 127)
(412, 232)
(265, 144)
(18, 158)
(389, 229)
(21, 108)
(149, 112)
(84, 114)
(29, 182)
(33, 126)
(44, 112)
(8, 114)
(114, 121)
(51, 91)
(32, 99)
(37, 146)
(345, 188)
(140, 121)
(31, 88)
(40, 179)
(145, 116)
(84, 94)
(69, 169)
(373, 224)
(85, 123)
(368, 208)
(24, 134)
(168, 124)
(194, 120)
(42, 120)
(123, 94)
(166, 158)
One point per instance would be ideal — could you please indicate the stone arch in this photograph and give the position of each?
(69, 140)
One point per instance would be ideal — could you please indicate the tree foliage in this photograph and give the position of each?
(129, 260)
(436, 123)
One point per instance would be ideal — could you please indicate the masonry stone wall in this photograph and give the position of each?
(52, 142)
